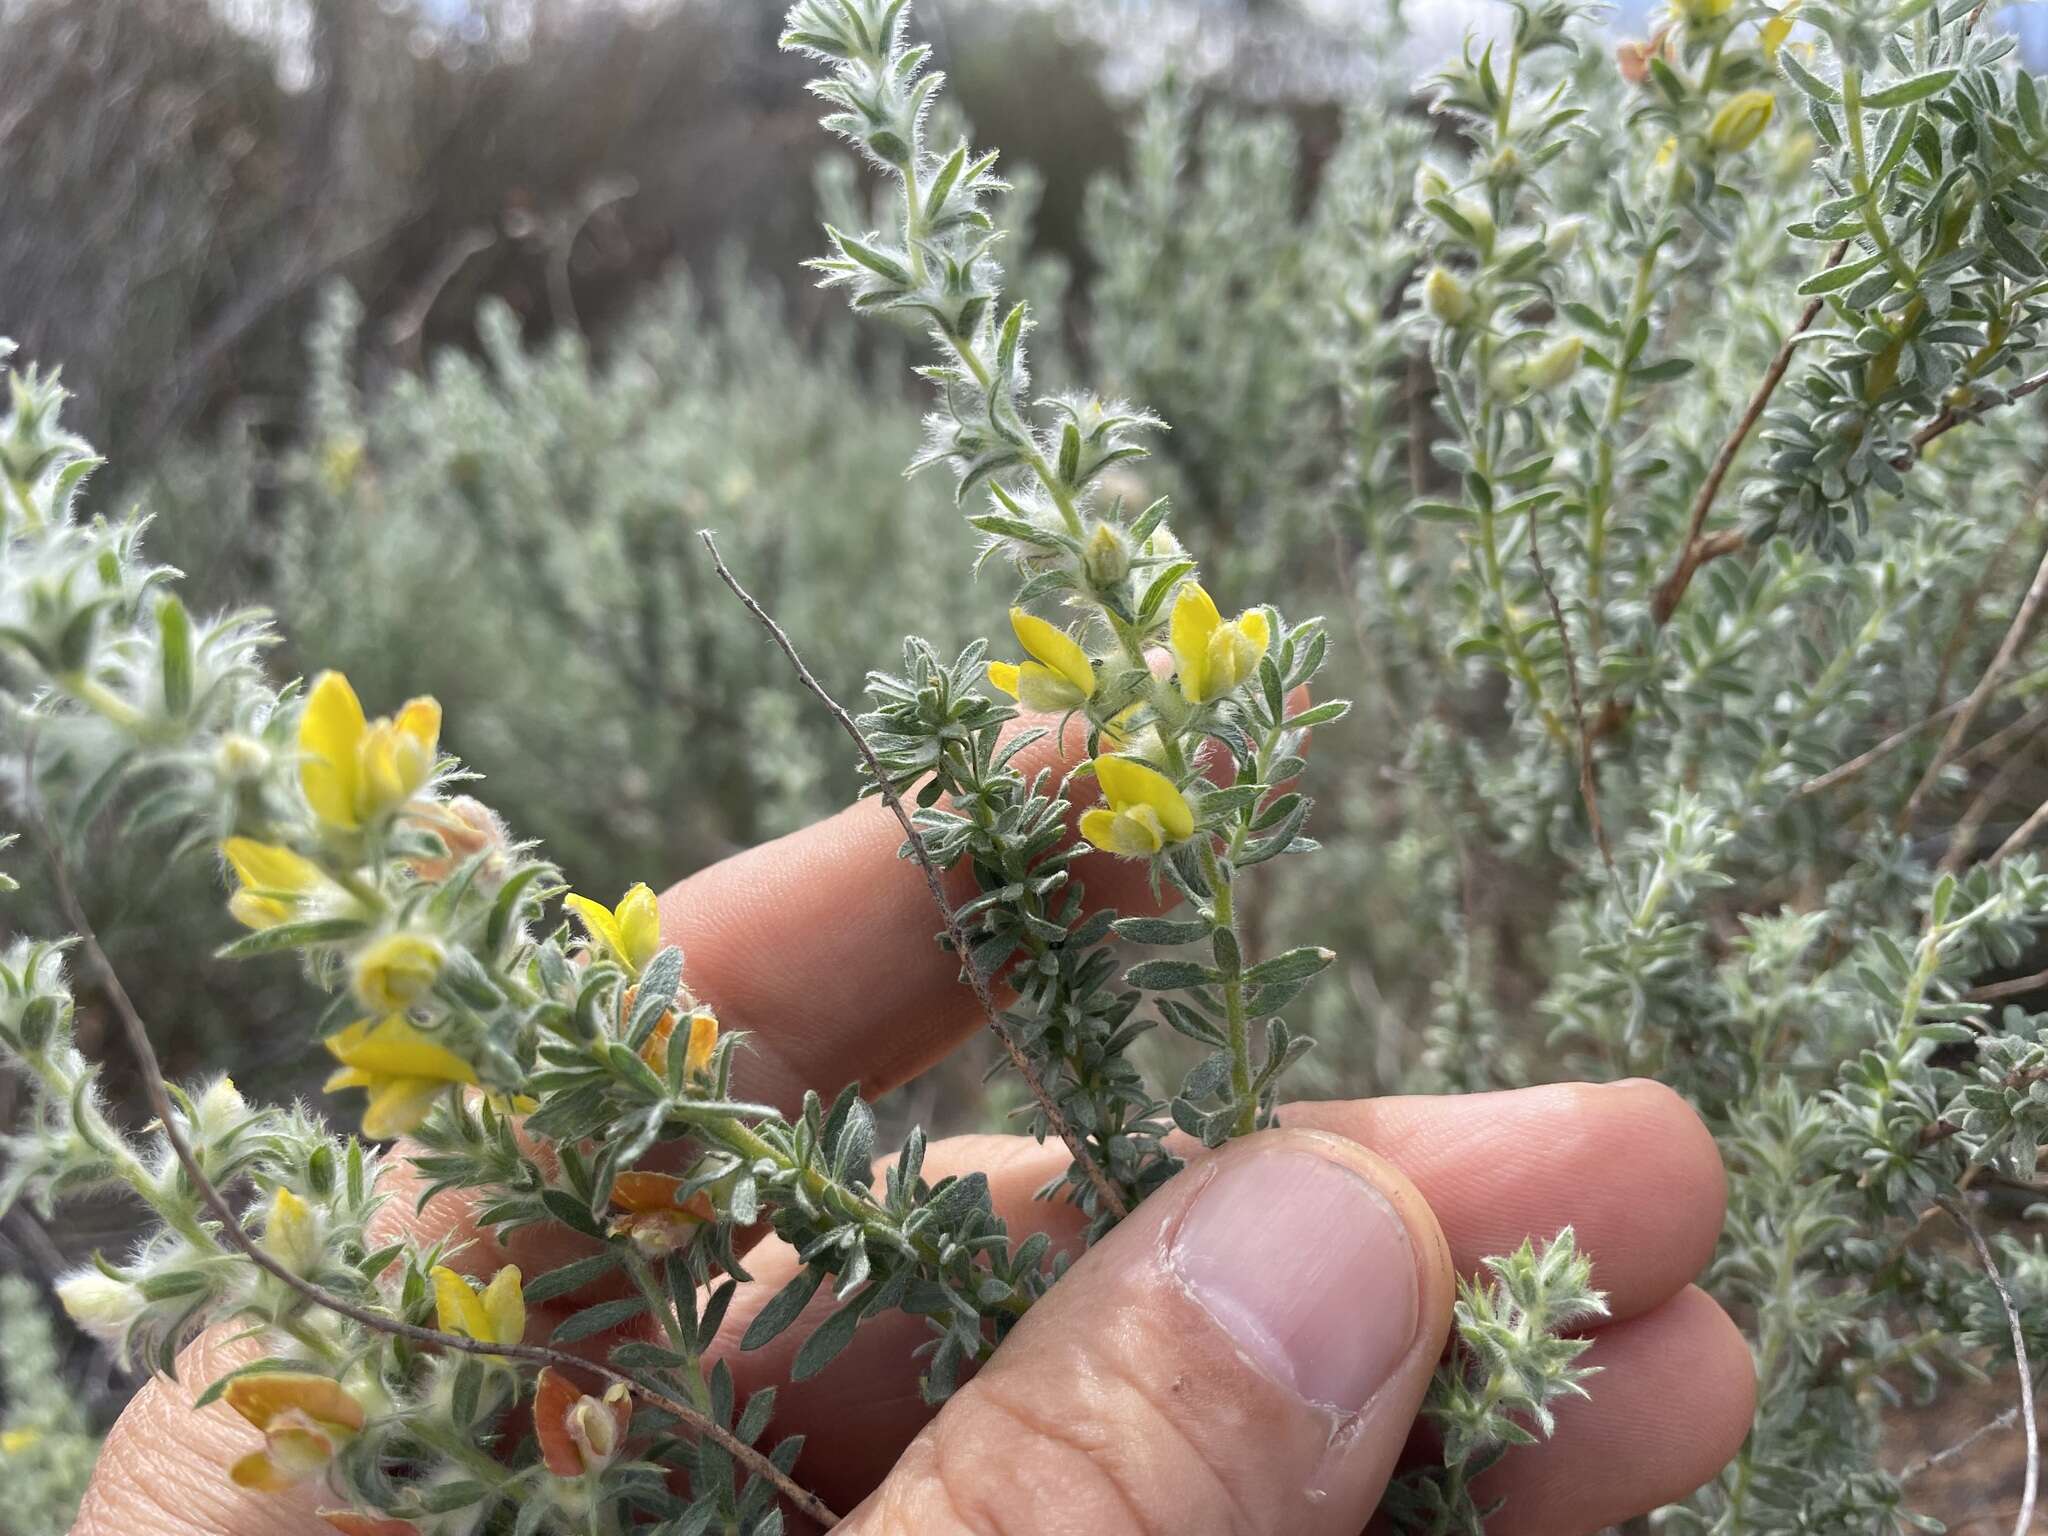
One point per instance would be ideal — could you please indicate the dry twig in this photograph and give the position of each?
(1098, 1177)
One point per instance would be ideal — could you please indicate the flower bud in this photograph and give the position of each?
(1448, 299)
(1429, 183)
(579, 1433)
(1106, 558)
(1479, 218)
(466, 827)
(1562, 238)
(100, 1304)
(241, 759)
(1740, 122)
(1698, 13)
(291, 1233)
(1541, 370)
(397, 971)
(219, 1108)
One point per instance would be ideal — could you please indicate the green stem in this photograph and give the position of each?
(1223, 913)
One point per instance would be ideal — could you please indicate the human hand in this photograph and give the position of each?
(1245, 1354)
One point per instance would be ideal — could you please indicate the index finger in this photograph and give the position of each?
(823, 945)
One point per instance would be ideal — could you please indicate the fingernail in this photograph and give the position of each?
(1308, 1268)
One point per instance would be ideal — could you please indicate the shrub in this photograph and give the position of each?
(1668, 411)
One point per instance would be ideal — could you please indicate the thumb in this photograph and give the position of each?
(1243, 1356)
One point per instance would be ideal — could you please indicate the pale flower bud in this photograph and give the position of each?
(1429, 183)
(100, 1304)
(1555, 363)
(241, 759)
(292, 1234)
(1448, 299)
(220, 1107)
(1479, 218)
(1740, 122)
(1562, 238)
(1106, 558)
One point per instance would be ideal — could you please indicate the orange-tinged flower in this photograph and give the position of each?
(304, 1418)
(652, 1220)
(578, 1433)
(354, 771)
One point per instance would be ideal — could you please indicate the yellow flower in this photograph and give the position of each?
(13, 1442)
(397, 971)
(1058, 677)
(1144, 814)
(356, 771)
(305, 1419)
(1214, 657)
(403, 1070)
(497, 1316)
(277, 885)
(292, 1232)
(1699, 12)
(1774, 32)
(630, 932)
(1740, 122)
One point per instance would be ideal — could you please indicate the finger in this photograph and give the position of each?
(1630, 1446)
(1243, 1355)
(163, 1470)
(822, 944)
(1627, 1165)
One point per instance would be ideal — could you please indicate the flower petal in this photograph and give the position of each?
(421, 720)
(330, 730)
(598, 923)
(397, 1105)
(269, 868)
(1098, 827)
(261, 1397)
(639, 923)
(1195, 619)
(391, 1047)
(504, 1305)
(1128, 782)
(554, 1396)
(1002, 676)
(1054, 649)
(456, 1308)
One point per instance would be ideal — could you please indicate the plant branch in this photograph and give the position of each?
(1589, 778)
(1698, 548)
(1105, 1189)
(1954, 416)
(157, 1092)
(2025, 1518)
(1857, 764)
(2016, 636)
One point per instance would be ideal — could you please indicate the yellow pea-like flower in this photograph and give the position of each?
(397, 971)
(304, 1418)
(402, 1069)
(356, 771)
(1213, 656)
(630, 932)
(496, 1315)
(275, 884)
(1058, 676)
(1145, 813)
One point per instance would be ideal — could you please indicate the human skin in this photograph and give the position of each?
(1244, 1355)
